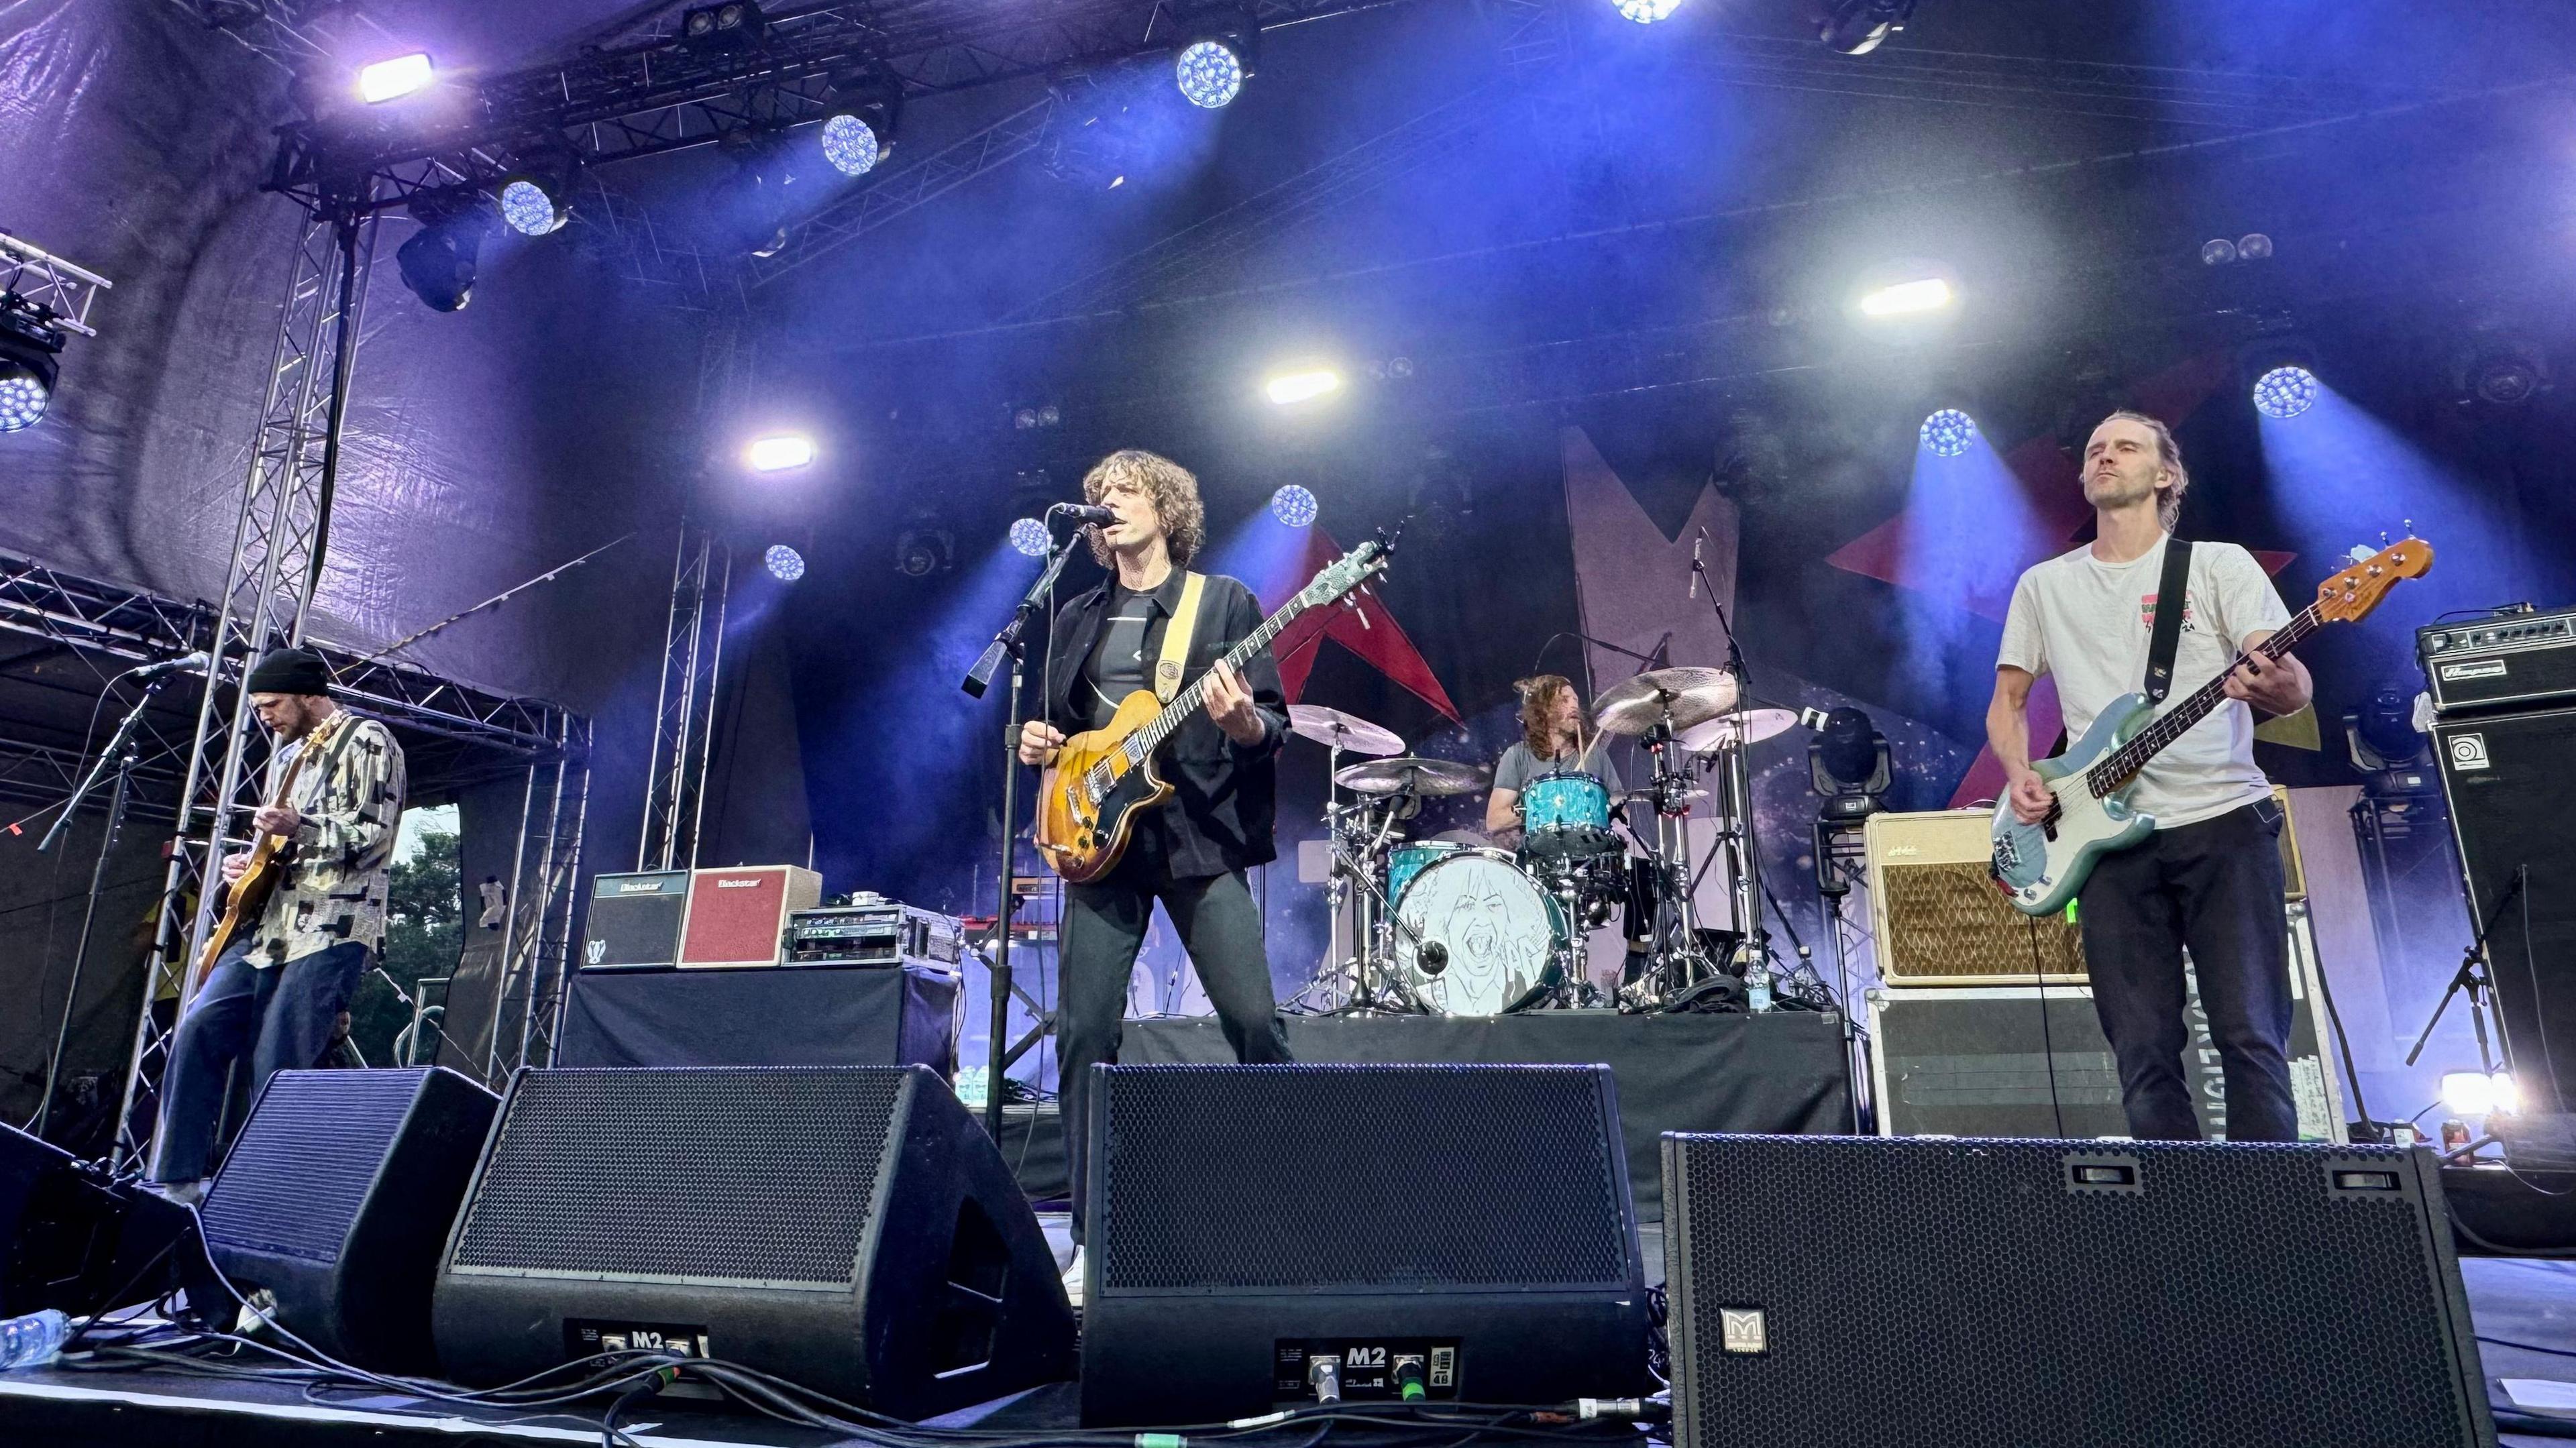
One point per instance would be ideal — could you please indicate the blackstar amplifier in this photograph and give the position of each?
(635, 920)
(2514, 656)
(872, 930)
(736, 916)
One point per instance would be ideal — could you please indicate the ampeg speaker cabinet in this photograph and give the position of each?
(2511, 783)
(1466, 1229)
(2137, 1295)
(74, 1239)
(2032, 1060)
(337, 1197)
(2508, 660)
(635, 920)
(849, 1228)
(1938, 916)
(737, 916)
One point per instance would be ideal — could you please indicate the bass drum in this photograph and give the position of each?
(1488, 932)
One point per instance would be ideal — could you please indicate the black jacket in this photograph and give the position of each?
(1224, 795)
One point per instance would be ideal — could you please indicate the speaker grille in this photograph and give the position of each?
(1960, 1288)
(733, 1175)
(1252, 1178)
(1949, 921)
(301, 1168)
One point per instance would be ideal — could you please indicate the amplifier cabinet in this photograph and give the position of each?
(1939, 918)
(738, 916)
(635, 920)
(2500, 662)
(2510, 780)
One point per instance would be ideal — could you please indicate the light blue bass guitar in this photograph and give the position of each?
(2041, 865)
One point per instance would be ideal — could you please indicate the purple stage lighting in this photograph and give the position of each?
(1647, 12)
(784, 563)
(1030, 537)
(2285, 392)
(1294, 505)
(1210, 74)
(529, 209)
(850, 144)
(389, 79)
(1947, 433)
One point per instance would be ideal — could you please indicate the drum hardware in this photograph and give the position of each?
(1341, 732)
(1415, 776)
(1744, 726)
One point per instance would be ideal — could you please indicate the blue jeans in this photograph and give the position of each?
(280, 1016)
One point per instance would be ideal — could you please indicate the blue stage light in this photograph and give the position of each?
(1294, 505)
(2285, 392)
(392, 79)
(1647, 12)
(850, 144)
(1030, 537)
(1210, 73)
(785, 564)
(23, 396)
(528, 208)
(1947, 433)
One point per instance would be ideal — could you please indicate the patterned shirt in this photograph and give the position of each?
(351, 799)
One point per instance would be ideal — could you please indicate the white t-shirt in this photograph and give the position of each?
(2088, 622)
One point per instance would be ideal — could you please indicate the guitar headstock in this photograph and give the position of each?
(1346, 573)
(2353, 593)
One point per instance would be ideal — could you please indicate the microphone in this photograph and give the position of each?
(1082, 513)
(180, 665)
(1695, 547)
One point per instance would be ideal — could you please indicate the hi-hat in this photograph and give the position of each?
(1427, 777)
(1745, 726)
(1332, 727)
(1685, 695)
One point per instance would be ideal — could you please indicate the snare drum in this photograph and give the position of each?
(1566, 816)
(1496, 930)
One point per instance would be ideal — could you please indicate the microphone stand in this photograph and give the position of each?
(1009, 643)
(120, 747)
(2472, 980)
(1756, 944)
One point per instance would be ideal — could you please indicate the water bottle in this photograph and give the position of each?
(1757, 986)
(33, 1340)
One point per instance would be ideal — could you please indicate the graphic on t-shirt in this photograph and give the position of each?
(2147, 613)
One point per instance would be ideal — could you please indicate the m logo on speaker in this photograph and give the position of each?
(1740, 1329)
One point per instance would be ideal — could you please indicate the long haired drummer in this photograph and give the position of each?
(1554, 740)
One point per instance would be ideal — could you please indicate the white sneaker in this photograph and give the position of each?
(1073, 1277)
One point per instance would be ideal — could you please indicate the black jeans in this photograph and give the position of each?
(1104, 926)
(280, 1016)
(2215, 887)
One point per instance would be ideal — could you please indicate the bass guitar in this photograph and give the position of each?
(2041, 865)
(271, 856)
(1101, 780)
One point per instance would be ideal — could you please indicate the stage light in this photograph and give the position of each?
(1291, 387)
(850, 144)
(2476, 1093)
(1848, 762)
(779, 452)
(923, 551)
(2285, 392)
(2217, 251)
(27, 371)
(1294, 505)
(1857, 27)
(531, 207)
(390, 79)
(1209, 73)
(858, 130)
(1647, 12)
(1927, 294)
(2254, 246)
(784, 563)
(1947, 433)
(438, 262)
(733, 25)
(1030, 537)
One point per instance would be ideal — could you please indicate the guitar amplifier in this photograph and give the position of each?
(2519, 657)
(2510, 780)
(635, 920)
(872, 930)
(737, 916)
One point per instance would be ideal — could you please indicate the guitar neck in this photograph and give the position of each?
(1187, 702)
(2120, 765)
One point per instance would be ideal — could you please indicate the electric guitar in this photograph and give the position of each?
(1102, 779)
(2040, 866)
(271, 856)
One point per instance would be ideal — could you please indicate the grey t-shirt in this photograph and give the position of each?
(1117, 665)
(1518, 767)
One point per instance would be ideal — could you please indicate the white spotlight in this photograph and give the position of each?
(1929, 294)
(779, 453)
(390, 79)
(1291, 387)
(2475, 1093)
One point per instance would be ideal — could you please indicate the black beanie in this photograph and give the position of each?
(289, 671)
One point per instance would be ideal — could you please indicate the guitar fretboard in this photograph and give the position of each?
(1144, 741)
(2116, 768)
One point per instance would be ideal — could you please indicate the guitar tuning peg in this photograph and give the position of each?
(2410, 527)
(2383, 537)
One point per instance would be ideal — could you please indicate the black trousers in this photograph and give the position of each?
(1104, 926)
(2215, 887)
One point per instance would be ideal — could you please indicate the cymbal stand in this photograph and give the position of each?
(1753, 952)
(1374, 985)
(1676, 962)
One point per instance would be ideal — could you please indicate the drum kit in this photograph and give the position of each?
(1453, 925)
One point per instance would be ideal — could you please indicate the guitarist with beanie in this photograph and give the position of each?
(1190, 852)
(276, 991)
(2209, 874)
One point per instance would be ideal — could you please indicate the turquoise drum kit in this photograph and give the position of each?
(1455, 925)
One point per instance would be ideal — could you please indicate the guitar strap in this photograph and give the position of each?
(1176, 638)
(2172, 593)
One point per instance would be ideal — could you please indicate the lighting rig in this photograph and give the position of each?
(42, 299)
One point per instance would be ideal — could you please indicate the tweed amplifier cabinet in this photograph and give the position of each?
(337, 1197)
(2102, 1295)
(634, 920)
(1251, 1226)
(849, 1228)
(736, 917)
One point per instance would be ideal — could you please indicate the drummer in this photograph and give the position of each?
(1554, 740)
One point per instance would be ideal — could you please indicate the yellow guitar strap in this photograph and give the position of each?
(1176, 638)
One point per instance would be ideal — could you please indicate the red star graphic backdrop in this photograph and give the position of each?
(1362, 624)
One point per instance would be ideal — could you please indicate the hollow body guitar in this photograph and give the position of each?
(1103, 779)
(2042, 865)
(271, 856)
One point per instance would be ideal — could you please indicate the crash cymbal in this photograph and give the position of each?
(1746, 726)
(1427, 777)
(1330, 727)
(1686, 695)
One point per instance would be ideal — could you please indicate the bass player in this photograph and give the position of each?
(2209, 876)
(1191, 853)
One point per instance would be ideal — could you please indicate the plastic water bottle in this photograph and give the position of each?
(1757, 986)
(33, 1340)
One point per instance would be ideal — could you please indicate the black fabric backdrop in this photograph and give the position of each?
(795, 1016)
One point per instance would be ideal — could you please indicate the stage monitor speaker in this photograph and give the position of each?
(635, 920)
(1465, 1227)
(849, 1228)
(736, 917)
(2511, 783)
(2103, 1295)
(74, 1239)
(337, 1197)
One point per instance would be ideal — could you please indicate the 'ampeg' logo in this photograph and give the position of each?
(2469, 751)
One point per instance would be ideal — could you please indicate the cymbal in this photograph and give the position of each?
(1688, 694)
(1747, 726)
(1647, 796)
(1329, 727)
(1411, 775)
